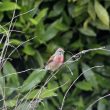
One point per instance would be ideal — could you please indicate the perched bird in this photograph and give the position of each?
(56, 60)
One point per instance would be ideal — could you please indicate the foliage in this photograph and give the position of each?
(35, 30)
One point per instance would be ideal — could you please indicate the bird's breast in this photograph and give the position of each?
(59, 58)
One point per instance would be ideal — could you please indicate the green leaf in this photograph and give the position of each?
(2, 83)
(45, 93)
(10, 103)
(46, 35)
(1, 16)
(39, 17)
(103, 82)
(91, 10)
(82, 2)
(32, 94)
(65, 77)
(103, 52)
(57, 9)
(34, 78)
(8, 6)
(98, 24)
(84, 85)
(28, 50)
(12, 77)
(40, 33)
(15, 42)
(76, 10)
(87, 32)
(80, 102)
(52, 87)
(50, 33)
(48, 93)
(58, 24)
(102, 13)
(89, 75)
(39, 58)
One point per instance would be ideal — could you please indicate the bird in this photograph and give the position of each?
(56, 60)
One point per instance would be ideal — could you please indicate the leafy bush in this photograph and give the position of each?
(31, 30)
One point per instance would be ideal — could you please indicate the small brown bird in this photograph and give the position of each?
(56, 60)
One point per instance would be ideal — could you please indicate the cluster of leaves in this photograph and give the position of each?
(38, 28)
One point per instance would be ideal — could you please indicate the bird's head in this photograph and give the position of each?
(60, 51)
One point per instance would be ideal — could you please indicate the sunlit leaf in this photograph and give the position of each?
(45, 93)
(28, 50)
(11, 103)
(102, 13)
(48, 93)
(15, 42)
(34, 78)
(7, 6)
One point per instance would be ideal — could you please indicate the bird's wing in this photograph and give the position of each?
(50, 59)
